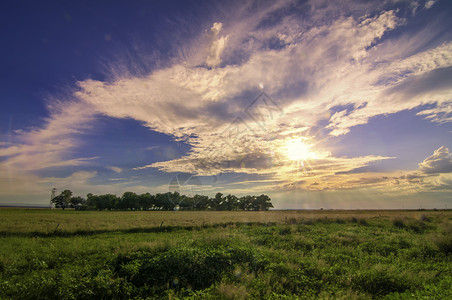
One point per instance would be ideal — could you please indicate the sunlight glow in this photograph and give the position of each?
(297, 149)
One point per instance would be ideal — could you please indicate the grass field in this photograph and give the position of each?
(53, 254)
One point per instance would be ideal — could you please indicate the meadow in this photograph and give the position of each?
(54, 254)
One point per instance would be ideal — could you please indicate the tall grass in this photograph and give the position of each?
(308, 257)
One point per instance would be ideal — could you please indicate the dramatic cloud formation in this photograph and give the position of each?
(439, 162)
(260, 78)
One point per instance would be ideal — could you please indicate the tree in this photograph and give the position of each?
(262, 202)
(168, 201)
(63, 199)
(217, 201)
(146, 201)
(245, 202)
(129, 200)
(77, 202)
(230, 202)
(201, 202)
(91, 200)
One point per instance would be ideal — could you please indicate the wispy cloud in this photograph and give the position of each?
(50, 145)
(115, 169)
(338, 64)
(429, 4)
(310, 71)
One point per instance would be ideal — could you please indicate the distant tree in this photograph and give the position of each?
(201, 202)
(245, 202)
(77, 202)
(217, 201)
(63, 199)
(101, 202)
(262, 202)
(168, 201)
(231, 202)
(108, 201)
(91, 201)
(58, 201)
(130, 200)
(146, 201)
(186, 203)
(159, 201)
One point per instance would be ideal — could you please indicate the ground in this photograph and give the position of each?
(58, 254)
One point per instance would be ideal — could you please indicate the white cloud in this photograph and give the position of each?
(217, 46)
(439, 162)
(26, 183)
(338, 54)
(442, 113)
(338, 62)
(115, 169)
(50, 146)
(429, 4)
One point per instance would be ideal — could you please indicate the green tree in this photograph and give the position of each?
(216, 202)
(262, 202)
(201, 202)
(130, 200)
(77, 202)
(146, 201)
(63, 199)
(245, 202)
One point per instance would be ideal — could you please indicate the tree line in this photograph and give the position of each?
(161, 201)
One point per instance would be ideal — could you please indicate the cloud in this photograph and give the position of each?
(152, 148)
(309, 66)
(115, 169)
(313, 59)
(429, 4)
(50, 145)
(439, 162)
(442, 113)
(26, 183)
(217, 46)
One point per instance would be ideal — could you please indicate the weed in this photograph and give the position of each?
(398, 222)
(363, 222)
(285, 231)
(444, 243)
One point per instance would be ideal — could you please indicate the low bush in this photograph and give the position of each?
(398, 222)
(380, 282)
(181, 267)
(285, 231)
(444, 243)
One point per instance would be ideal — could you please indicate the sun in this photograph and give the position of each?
(297, 149)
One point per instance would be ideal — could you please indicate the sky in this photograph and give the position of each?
(318, 104)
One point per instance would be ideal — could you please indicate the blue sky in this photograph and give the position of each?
(334, 104)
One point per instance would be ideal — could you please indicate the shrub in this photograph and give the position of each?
(285, 231)
(304, 244)
(380, 282)
(363, 222)
(181, 267)
(304, 281)
(417, 226)
(426, 218)
(444, 243)
(398, 222)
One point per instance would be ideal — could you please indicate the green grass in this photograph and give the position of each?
(225, 255)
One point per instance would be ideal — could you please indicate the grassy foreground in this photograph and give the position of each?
(52, 254)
